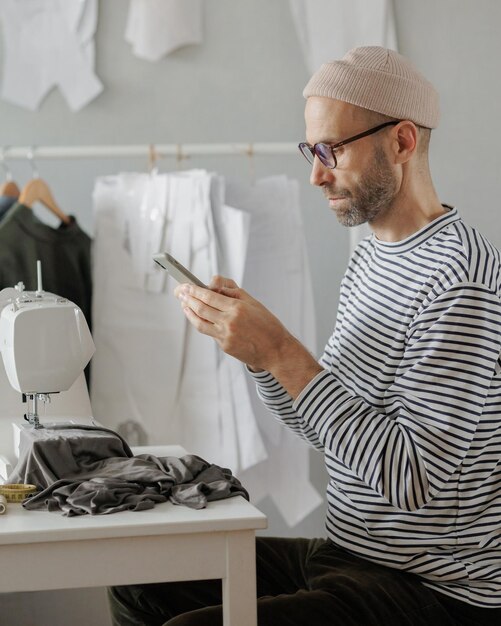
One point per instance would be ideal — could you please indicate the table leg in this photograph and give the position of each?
(239, 585)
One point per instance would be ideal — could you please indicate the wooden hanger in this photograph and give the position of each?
(9, 188)
(37, 190)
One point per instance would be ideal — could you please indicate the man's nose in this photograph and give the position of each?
(320, 174)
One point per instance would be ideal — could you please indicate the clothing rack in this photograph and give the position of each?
(154, 152)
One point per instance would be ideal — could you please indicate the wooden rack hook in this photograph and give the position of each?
(152, 157)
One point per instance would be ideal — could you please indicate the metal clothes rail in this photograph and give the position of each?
(152, 151)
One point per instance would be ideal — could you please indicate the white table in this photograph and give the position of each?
(42, 551)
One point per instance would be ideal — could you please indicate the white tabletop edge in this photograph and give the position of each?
(20, 526)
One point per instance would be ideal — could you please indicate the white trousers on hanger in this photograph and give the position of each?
(154, 376)
(139, 336)
(214, 407)
(277, 274)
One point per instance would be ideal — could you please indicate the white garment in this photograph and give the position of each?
(139, 337)
(156, 28)
(152, 371)
(214, 409)
(327, 29)
(183, 389)
(49, 43)
(146, 221)
(277, 274)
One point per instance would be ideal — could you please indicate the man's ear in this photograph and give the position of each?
(404, 143)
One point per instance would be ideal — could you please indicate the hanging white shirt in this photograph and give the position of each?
(49, 43)
(156, 28)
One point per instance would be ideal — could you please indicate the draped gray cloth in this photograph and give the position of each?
(84, 469)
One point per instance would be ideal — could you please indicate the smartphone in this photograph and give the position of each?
(176, 270)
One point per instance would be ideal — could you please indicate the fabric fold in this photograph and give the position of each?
(91, 470)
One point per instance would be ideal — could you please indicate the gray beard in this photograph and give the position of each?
(374, 196)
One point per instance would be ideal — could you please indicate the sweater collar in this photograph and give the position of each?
(419, 237)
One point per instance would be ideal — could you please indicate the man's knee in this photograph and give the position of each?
(128, 608)
(210, 616)
(121, 601)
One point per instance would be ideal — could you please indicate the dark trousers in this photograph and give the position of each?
(303, 582)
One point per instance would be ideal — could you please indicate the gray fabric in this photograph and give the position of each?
(53, 452)
(91, 470)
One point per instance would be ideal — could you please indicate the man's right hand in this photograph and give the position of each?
(245, 329)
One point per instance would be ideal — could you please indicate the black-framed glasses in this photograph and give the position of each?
(326, 152)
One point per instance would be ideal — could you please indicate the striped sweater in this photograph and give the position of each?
(408, 409)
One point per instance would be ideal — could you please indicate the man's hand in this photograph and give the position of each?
(248, 331)
(241, 325)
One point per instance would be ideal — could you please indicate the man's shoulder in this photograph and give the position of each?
(468, 254)
(477, 247)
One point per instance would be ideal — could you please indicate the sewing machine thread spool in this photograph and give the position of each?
(16, 492)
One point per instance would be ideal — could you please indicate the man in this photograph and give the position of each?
(406, 399)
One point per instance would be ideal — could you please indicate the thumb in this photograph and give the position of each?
(220, 282)
(231, 292)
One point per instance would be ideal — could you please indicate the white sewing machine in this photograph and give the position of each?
(45, 345)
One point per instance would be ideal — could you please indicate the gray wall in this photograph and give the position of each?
(244, 84)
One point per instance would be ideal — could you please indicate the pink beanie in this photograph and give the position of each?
(380, 80)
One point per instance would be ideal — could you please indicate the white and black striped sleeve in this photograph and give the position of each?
(280, 404)
(407, 453)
